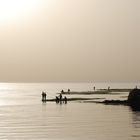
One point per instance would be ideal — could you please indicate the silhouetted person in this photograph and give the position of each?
(62, 91)
(60, 97)
(65, 99)
(68, 90)
(108, 88)
(57, 99)
(136, 87)
(94, 88)
(43, 96)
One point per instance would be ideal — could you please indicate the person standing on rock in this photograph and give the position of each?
(43, 96)
(60, 97)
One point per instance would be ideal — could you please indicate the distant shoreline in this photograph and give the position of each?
(116, 90)
(99, 91)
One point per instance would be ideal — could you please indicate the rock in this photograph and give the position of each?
(134, 98)
(115, 102)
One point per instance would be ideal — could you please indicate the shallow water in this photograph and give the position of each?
(24, 116)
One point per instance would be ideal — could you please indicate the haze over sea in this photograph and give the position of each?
(23, 116)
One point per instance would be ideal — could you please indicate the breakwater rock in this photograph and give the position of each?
(133, 100)
(134, 97)
(116, 102)
(72, 99)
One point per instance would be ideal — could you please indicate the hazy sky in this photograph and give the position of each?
(69, 40)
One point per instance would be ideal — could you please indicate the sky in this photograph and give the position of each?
(69, 40)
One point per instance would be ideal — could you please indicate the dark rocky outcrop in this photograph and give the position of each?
(116, 102)
(134, 98)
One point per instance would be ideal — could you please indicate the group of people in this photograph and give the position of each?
(94, 88)
(61, 99)
(44, 96)
(58, 98)
(62, 91)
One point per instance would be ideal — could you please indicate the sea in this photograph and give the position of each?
(23, 116)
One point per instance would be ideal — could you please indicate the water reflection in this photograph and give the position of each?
(136, 119)
(136, 122)
(135, 108)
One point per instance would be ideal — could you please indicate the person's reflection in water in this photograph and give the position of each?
(65, 100)
(57, 100)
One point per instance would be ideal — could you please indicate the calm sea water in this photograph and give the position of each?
(24, 117)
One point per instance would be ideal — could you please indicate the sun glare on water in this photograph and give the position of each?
(16, 10)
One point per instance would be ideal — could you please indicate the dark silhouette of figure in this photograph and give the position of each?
(65, 99)
(43, 96)
(108, 88)
(60, 97)
(62, 91)
(57, 99)
(68, 90)
(94, 88)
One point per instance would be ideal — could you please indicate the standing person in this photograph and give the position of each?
(65, 99)
(94, 88)
(62, 91)
(60, 97)
(43, 96)
(57, 99)
(68, 90)
(108, 88)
